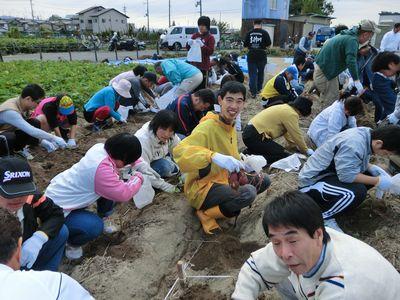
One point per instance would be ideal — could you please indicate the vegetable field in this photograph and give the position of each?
(79, 79)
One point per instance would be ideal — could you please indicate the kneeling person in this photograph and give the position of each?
(306, 261)
(209, 155)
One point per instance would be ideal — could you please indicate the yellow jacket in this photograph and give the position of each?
(269, 90)
(278, 120)
(193, 156)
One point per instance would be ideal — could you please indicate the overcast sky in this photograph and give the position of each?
(184, 12)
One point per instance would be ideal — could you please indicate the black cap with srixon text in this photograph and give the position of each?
(16, 178)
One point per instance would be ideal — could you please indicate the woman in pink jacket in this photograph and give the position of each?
(95, 178)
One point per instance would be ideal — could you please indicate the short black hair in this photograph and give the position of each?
(35, 91)
(389, 135)
(139, 70)
(396, 25)
(299, 60)
(354, 105)
(227, 78)
(165, 119)
(383, 59)
(257, 22)
(294, 208)
(10, 232)
(206, 96)
(303, 104)
(339, 28)
(124, 146)
(233, 87)
(150, 76)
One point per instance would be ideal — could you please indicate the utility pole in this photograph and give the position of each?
(148, 19)
(198, 3)
(124, 9)
(169, 13)
(32, 10)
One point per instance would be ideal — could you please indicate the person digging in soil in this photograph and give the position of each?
(58, 114)
(104, 104)
(209, 155)
(18, 131)
(157, 139)
(276, 121)
(20, 285)
(43, 231)
(305, 260)
(93, 179)
(338, 174)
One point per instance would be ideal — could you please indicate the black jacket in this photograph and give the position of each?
(41, 213)
(257, 40)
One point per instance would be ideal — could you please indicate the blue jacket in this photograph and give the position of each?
(105, 97)
(345, 155)
(177, 70)
(188, 119)
(383, 89)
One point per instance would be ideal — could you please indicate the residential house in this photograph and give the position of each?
(98, 19)
(311, 22)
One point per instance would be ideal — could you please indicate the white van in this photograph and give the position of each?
(176, 37)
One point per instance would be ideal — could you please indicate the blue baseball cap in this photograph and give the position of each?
(293, 70)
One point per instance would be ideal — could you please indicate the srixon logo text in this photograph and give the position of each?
(8, 175)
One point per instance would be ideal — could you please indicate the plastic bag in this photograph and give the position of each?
(254, 162)
(194, 53)
(167, 98)
(145, 195)
(290, 163)
(395, 188)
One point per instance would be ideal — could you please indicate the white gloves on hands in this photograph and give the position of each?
(393, 119)
(31, 248)
(385, 182)
(49, 146)
(71, 144)
(59, 142)
(310, 152)
(376, 171)
(228, 162)
(172, 189)
(359, 87)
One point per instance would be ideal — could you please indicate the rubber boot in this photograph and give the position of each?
(207, 218)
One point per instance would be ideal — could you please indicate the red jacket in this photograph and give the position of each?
(206, 51)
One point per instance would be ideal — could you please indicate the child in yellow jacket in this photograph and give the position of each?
(209, 155)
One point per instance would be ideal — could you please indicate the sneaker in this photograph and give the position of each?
(25, 153)
(98, 126)
(331, 223)
(109, 226)
(72, 252)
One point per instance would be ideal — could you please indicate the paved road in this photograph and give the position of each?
(87, 55)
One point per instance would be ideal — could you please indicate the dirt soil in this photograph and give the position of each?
(140, 262)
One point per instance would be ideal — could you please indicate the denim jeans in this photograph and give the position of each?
(51, 254)
(164, 167)
(85, 226)
(256, 75)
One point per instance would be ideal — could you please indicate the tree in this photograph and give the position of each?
(223, 26)
(322, 7)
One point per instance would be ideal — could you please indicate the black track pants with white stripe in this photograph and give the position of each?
(335, 197)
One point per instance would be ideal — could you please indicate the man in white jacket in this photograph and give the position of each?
(391, 39)
(306, 261)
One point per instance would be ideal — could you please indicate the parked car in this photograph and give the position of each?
(176, 37)
(323, 34)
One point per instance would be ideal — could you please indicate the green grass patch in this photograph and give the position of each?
(78, 79)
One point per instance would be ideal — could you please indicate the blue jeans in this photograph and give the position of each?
(164, 167)
(256, 76)
(85, 226)
(369, 96)
(51, 254)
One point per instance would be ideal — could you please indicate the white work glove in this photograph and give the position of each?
(310, 152)
(172, 189)
(385, 182)
(59, 142)
(393, 119)
(71, 144)
(359, 87)
(137, 175)
(49, 146)
(31, 248)
(123, 121)
(190, 42)
(350, 83)
(376, 171)
(227, 162)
